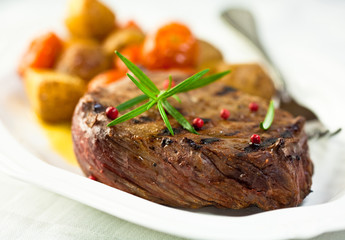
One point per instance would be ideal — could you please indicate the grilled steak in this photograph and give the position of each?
(217, 167)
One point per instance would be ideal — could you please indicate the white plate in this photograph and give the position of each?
(26, 154)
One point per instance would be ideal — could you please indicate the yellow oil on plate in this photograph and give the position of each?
(60, 139)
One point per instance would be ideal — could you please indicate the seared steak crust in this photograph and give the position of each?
(217, 167)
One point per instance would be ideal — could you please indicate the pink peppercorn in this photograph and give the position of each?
(253, 106)
(112, 113)
(255, 139)
(225, 113)
(198, 123)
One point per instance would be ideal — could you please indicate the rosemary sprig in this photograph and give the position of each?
(178, 116)
(142, 87)
(205, 81)
(138, 73)
(170, 84)
(164, 117)
(132, 102)
(265, 125)
(130, 115)
(155, 96)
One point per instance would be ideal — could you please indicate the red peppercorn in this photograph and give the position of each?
(225, 113)
(166, 84)
(253, 106)
(255, 139)
(198, 123)
(92, 177)
(112, 113)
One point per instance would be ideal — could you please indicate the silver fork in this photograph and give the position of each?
(243, 21)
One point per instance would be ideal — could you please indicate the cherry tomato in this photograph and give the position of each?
(42, 52)
(131, 24)
(132, 52)
(172, 46)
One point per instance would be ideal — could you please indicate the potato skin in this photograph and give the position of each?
(89, 19)
(84, 59)
(209, 56)
(121, 38)
(53, 95)
(249, 78)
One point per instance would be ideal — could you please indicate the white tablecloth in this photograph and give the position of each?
(28, 212)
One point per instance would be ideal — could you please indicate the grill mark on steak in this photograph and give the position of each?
(206, 120)
(191, 143)
(225, 90)
(166, 132)
(142, 119)
(230, 134)
(185, 170)
(209, 140)
(252, 148)
(278, 142)
(166, 142)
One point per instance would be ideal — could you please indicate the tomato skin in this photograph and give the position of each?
(106, 78)
(42, 52)
(132, 52)
(131, 24)
(172, 46)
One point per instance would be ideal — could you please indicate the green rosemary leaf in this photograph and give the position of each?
(170, 82)
(178, 116)
(153, 102)
(265, 125)
(160, 97)
(165, 117)
(130, 115)
(176, 98)
(139, 74)
(146, 91)
(132, 102)
(183, 84)
(205, 81)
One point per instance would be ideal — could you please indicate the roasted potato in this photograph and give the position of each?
(209, 55)
(77, 40)
(84, 59)
(249, 78)
(89, 19)
(53, 95)
(122, 38)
